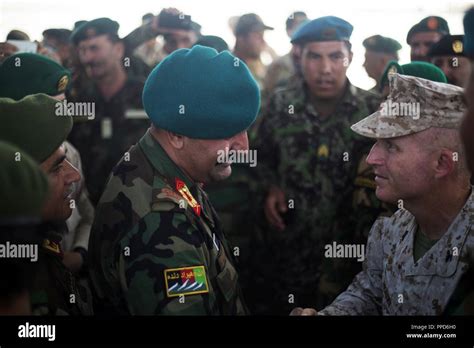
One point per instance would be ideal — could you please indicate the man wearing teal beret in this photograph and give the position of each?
(157, 247)
(32, 124)
(318, 189)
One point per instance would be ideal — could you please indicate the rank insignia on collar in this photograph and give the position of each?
(52, 246)
(323, 151)
(62, 84)
(184, 191)
(186, 281)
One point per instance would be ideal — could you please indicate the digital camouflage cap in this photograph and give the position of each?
(414, 105)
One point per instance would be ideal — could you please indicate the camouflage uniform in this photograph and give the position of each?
(142, 210)
(103, 140)
(319, 164)
(55, 290)
(278, 73)
(406, 273)
(392, 283)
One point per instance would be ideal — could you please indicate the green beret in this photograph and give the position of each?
(23, 186)
(381, 44)
(449, 45)
(93, 28)
(32, 125)
(424, 70)
(431, 23)
(27, 73)
(327, 28)
(201, 94)
(469, 32)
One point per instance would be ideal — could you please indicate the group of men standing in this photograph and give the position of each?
(140, 164)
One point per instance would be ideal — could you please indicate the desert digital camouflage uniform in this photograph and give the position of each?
(405, 274)
(142, 209)
(393, 283)
(333, 198)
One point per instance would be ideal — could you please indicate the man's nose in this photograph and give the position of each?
(375, 155)
(325, 65)
(86, 57)
(72, 173)
(240, 141)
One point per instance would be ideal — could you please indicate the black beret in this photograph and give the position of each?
(93, 28)
(449, 45)
(431, 23)
(382, 44)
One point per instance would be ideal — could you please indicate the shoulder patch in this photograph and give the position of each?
(165, 199)
(186, 281)
(169, 195)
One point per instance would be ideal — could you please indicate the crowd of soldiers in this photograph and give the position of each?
(110, 152)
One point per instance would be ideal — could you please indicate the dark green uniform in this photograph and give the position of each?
(55, 289)
(102, 141)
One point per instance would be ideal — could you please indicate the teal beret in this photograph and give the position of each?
(23, 74)
(327, 28)
(449, 45)
(201, 94)
(469, 32)
(23, 186)
(32, 125)
(93, 28)
(382, 44)
(424, 70)
(431, 23)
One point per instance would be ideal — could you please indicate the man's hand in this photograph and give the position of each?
(275, 204)
(73, 260)
(298, 311)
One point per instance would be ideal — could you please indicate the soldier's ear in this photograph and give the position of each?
(446, 165)
(175, 140)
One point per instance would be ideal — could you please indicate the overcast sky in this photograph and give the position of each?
(369, 17)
